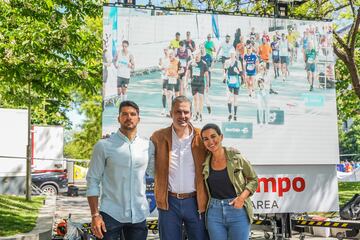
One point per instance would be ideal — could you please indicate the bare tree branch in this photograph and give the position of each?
(351, 66)
(340, 54)
(341, 42)
(352, 7)
(349, 33)
(353, 25)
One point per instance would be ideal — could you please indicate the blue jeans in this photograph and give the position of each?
(226, 222)
(182, 211)
(131, 231)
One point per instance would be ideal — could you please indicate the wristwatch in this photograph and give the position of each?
(97, 214)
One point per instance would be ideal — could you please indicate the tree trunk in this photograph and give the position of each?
(345, 51)
(355, 78)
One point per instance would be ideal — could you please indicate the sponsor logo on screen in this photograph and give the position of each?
(281, 185)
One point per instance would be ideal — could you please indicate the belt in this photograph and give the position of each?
(182, 195)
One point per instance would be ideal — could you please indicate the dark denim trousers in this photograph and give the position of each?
(182, 211)
(116, 230)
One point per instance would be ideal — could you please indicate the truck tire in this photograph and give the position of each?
(340, 235)
(49, 189)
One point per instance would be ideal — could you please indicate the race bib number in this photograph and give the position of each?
(172, 80)
(196, 71)
(183, 62)
(124, 62)
(310, 60)
(275, 52)
(250, 66)
(233, 79)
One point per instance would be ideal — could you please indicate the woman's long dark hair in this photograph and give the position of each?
(211, 126)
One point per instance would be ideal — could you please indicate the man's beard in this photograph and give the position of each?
(128, 126)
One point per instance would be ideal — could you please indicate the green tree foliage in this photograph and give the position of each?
(55, 47)
(320, 8)
(348, 105)
(350, 140)
(81, 144)
(50, 46)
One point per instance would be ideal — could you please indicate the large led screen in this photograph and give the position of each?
(269, 83)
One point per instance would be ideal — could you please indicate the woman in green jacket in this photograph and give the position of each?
(230, 180)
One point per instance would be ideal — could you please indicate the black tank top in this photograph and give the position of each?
(220, 185)
(231, 69)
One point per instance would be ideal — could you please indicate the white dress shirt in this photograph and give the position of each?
(181, 168)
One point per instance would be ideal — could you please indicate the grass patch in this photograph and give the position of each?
(17, 215)
(347, 190)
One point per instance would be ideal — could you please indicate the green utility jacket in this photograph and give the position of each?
(241, 174)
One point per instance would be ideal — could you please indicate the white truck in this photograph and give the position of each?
(13, 142)
(47, 143)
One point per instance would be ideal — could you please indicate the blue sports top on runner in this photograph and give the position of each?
(250, 66)
(208, 59)
(310, 56)
(305, 43)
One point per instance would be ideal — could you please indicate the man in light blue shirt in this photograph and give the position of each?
(119, 163)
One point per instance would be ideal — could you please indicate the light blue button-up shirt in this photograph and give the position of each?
(119, 165)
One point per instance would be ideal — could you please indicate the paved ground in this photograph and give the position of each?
(79, 210)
